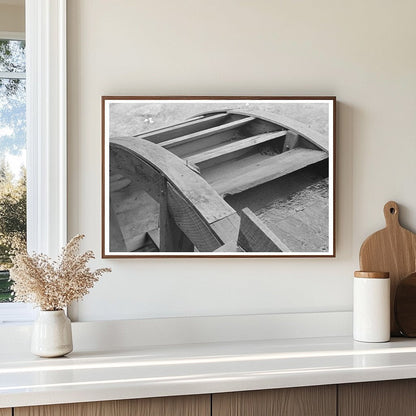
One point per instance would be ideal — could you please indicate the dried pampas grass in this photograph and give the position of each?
(53, 285)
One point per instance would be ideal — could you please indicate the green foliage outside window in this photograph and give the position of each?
(12, 223)
(12, 145)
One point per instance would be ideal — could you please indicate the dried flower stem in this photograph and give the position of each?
(53, 285)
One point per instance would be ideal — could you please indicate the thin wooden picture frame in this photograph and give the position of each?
(189, 175)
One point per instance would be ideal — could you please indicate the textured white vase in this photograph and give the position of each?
(52, 334)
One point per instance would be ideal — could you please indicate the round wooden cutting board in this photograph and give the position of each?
(405, 306)
(393, 250)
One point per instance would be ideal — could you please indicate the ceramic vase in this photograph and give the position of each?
(371, 317)
(52, 334)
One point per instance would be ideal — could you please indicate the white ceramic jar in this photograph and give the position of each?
(371, 309)
(52, 334)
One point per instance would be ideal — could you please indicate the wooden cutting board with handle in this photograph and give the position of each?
(393, 250)
(405, 306)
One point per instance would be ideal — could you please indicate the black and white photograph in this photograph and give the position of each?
(218, 176)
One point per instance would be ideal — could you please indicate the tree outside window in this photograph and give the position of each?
(12, 156)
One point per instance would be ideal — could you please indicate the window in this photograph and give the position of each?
(46, 134)
(12, 164)
(12, 154)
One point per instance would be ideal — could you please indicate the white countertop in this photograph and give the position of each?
(150, 371)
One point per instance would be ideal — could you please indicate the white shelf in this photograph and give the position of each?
(150, 371)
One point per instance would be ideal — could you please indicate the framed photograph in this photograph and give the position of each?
(218, 177)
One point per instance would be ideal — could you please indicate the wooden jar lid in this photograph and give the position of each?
(372, 275)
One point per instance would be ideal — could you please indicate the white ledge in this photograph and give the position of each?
(199, 368)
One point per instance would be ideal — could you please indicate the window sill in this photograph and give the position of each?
(16, 313)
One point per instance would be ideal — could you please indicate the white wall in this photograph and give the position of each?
(361, 51)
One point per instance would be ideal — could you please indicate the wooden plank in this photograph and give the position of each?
(197, 146)
(300, 401)
(291, 141)
(237, 176)
(160, 406)
(306, 230)
(148, 245)
(200, 205)
(255, 236)
(320, 140)
(169, 144)
(167, 225)
(136, 206)
(5, 412)
(142, 175)
(316, 216)
(180, 123)
(382, 398)
(172, 238)
(137, 212)
(154, 235)
(228, 151)
(183, 128)
(227, 229)
(298, 233)
(202, 234)
(226, 248)
(117, 243)
(194, 188)
(136, 242)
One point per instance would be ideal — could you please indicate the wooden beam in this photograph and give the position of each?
(226, 248)
(129, 154)
(137, 212)
(172, 239)
(255, 236)
(240, 175)
(117, 243)
(291, 141)
(141, 174)
(227, 151)
(154, 235)
(137, 242)
(205, 133)
(183, 128)
(202, 215)
(318, 139)
(300, 236)
(227, 229)
(186, 216)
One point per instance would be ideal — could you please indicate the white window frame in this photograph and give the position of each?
(14, 312)
(46, 134)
